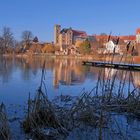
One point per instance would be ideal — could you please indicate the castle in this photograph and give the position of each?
(67, 37)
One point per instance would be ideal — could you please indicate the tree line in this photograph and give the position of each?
(8, 43)
(29, 44)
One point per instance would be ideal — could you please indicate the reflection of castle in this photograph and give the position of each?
(66, 72)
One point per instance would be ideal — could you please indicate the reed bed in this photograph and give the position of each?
(57, 118)
(4, 125)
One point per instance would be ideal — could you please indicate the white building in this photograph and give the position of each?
(111, 47)
(138, 35)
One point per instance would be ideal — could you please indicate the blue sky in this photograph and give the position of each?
(94, 16)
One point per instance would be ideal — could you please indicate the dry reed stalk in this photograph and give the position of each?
(4, 126)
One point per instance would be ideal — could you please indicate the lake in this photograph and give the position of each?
(66, 76)
(20, 76)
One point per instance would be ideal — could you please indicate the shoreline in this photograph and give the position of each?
(116, 58)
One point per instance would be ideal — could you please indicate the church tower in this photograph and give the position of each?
(57, 30)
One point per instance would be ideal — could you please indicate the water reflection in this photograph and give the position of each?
(23, 74)
(65, 71)
(6, 69)
(136, 78)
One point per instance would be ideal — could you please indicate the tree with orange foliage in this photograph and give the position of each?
(48, 48)
(35, 48)
(84, 47)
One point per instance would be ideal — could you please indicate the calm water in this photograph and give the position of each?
(20, 76)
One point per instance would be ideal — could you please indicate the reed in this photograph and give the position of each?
(4, 125)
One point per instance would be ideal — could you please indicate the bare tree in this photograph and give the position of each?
(6, 40)
(27, 37)
(1, 42)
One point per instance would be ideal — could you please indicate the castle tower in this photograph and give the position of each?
(57, 29)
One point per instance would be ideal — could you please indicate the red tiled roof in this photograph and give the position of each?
(105, 37)
(130, 37)
(101, 37)
(79, 33)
